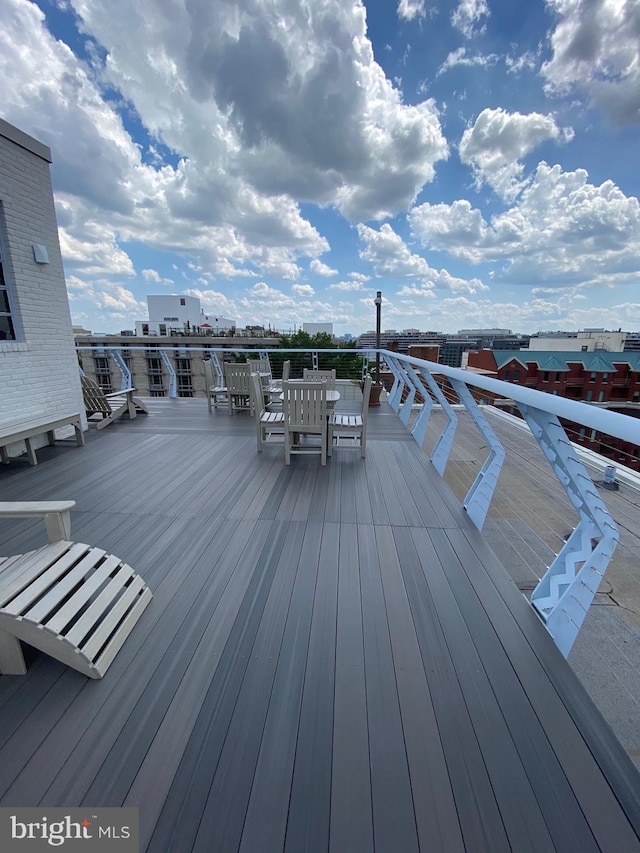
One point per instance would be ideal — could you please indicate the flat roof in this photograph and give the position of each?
(19, 137)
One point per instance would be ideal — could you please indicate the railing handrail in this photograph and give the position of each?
(611, 423)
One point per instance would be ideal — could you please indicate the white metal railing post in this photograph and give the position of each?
(479, 496)
(172, 374)
(442, 449)
(125, 373)
(399, 382)
(565, 592)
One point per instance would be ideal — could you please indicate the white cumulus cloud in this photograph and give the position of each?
(498, 141)
(392, 258)
(562, 229)
(467, 15)
(410, 9)
(303, 290)
(316, 266)
(596, 52)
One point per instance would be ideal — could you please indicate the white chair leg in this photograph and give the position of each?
(11, 657)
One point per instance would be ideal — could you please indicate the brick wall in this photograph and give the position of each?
(38, 371)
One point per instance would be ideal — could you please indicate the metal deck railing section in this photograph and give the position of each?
(566, 590)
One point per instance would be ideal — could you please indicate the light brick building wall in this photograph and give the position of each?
(39, 370)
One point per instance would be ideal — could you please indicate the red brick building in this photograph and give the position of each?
(608, 379)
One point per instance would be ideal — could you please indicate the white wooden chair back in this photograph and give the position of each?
(305, 405)
(236, 378)
(328, 376)
(268, 424)
(305, 413)
(209, 376)
(260, 365)
(257, 396)
(350, 430)
(214, 387)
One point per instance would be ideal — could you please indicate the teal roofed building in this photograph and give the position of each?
(607, 379)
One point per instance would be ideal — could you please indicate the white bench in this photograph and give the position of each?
(72, 601)
(26, 430)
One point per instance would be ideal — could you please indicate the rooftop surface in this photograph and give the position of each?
(333, 658)
(526, 525)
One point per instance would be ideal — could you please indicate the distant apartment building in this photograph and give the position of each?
(176, 314)
(400, 341)
(453, 348)
(601, 378)
(632, 342)
(318, 328)
(157, 363)
(587, 340)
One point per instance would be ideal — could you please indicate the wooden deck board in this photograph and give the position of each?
(333, 659)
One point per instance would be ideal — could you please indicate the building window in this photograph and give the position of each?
(516, 375)
(185, 388)
(589, 395)
(592, 377)
(594, 434)
(601, 397)
(104, 381)
(558, 376)
(7, 329)
(545, 376)
(605, 377)
(183, 301)
(507, 375)
(584, 349)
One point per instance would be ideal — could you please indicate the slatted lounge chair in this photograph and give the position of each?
(106, 408)
(350, 430)
(305, 414)
(72, 601)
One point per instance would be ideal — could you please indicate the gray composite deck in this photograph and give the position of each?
(333, 659)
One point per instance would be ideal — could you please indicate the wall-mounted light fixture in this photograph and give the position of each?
(40, 254)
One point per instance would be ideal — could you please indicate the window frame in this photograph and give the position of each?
(6, 288)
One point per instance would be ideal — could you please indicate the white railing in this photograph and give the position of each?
(564, 594)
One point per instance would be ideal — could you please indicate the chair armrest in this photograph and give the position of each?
(56, 514)
(122, 392)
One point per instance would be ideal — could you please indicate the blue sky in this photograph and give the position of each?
(475, 160)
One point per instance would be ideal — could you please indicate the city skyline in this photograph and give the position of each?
(473, 160)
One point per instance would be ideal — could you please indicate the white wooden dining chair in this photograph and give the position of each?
(305, 416)
(269, 425)
(328, 376)
(215, 389)
(270, 389)
(350, 430)
(236, 378)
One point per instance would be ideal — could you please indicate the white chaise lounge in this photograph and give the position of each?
(72, 601)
